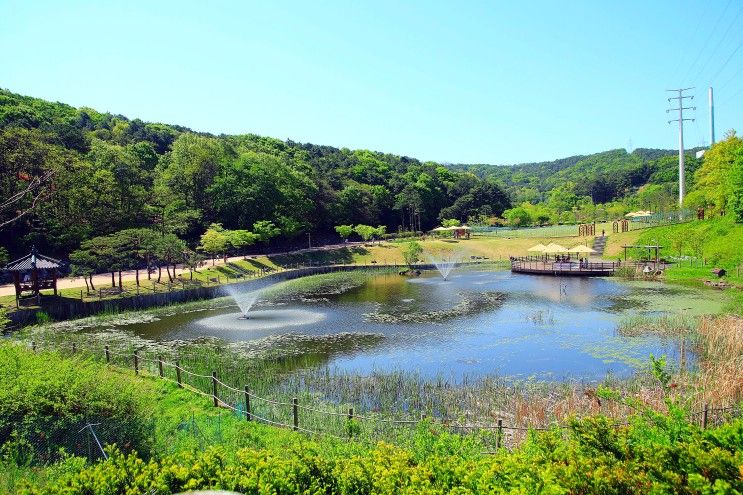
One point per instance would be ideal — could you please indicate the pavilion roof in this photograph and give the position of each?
(26, 263)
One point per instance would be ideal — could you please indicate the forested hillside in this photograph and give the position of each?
(71, 174)
(603, 177)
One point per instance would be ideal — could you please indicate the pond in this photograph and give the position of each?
(476, 323)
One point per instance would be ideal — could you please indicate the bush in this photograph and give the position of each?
(659, 454)
(46, 400)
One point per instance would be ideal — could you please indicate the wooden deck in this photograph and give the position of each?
(540, 266)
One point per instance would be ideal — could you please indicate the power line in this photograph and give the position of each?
(727, 61)
(704, 46)
(681, 97)
(711, 56)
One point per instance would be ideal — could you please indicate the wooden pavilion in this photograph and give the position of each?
(34, 273)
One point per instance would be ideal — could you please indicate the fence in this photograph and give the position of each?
(320, 420)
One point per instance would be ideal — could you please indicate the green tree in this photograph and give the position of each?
(344, 231)
(265, 230)
(214, 241)
(239, 239)
(450, 222)
(518, 217)
(411, 253)
(366, 232)
(169, 252)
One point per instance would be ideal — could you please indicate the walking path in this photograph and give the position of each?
(103, 279)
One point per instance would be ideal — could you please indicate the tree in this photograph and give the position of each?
(344, 231)
(192, 260)
(411, 253)
(241, 238)
(170, 252)
(518, 217)
(137, 245)
(366, 232)
(265, 230)
(214, 241)
(450, 222)
(84, 264)
(736, 187)
(4, 257)
(714, 179)
(380, 231)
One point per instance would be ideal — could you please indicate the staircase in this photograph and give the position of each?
(599, 244)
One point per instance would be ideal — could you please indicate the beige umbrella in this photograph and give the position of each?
(580, 248)
(553, 248)
(539, 248)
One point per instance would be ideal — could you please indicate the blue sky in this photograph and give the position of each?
(462, 82)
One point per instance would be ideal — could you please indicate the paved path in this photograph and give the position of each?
(104, 279)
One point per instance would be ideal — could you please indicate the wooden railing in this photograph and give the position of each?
(552, 265)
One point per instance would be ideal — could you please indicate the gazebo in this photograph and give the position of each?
(34, 273)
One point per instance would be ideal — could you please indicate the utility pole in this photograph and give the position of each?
(711, 118)
(680, 109)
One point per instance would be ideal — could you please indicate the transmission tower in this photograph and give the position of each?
(680, 109)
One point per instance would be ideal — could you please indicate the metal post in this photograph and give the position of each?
(680, 120)
(160, 365)
(247, 404)
(295, 413)
(178, 372)
(214, 388)
(108, 354)
(136, 362)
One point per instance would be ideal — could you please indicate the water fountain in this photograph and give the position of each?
(445, 263)
(261, 320)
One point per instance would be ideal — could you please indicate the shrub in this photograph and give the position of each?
(46, 400)
(652, 455)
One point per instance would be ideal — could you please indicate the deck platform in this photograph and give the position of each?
(538, 265)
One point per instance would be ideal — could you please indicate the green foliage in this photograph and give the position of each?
(366, 232)
(265, 230)
(214, 241)
(98, 173)
(45, 400)
(344, 231)
(650, 456)
(450, 222)
(412, 252)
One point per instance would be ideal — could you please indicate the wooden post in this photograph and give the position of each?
(100, 293)
(160, 365)
(499, 438)
(178, 372)
(214, 388)
(704, 415)
(74, 348)
(136, 362)
(295, 413)
(350, 418)
(247, 404)
(108, 354)
(33, 346)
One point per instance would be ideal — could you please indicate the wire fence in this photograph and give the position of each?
(313, 417)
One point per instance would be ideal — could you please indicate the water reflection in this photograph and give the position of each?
(476, 323)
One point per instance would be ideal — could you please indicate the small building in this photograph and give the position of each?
(34, 273)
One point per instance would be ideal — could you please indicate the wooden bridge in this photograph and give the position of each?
(541, 265)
